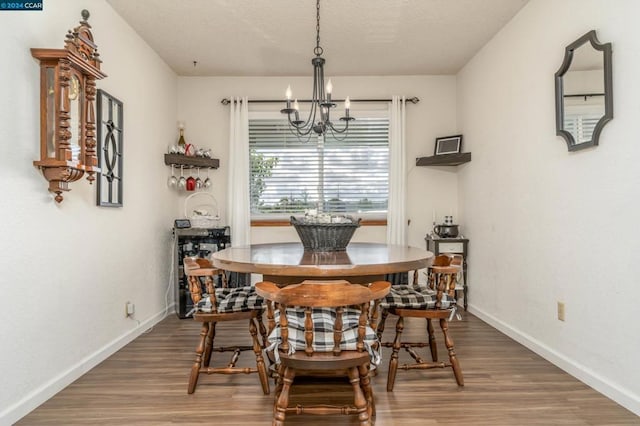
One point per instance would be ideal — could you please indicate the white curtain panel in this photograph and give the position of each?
(397, 216)
(238, 208)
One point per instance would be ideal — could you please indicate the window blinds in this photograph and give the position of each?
(332, 174)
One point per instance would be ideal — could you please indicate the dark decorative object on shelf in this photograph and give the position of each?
(325, 237)
(446, 231)
(110, 122)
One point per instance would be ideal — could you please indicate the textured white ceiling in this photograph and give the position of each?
(277, 37)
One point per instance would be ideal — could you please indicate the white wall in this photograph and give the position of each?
(539, 218)
(547, 225)
(207, 124)
(68, 269)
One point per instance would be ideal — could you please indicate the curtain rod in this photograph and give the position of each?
(581, 95)
(227, 101)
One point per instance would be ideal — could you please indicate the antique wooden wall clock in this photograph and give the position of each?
(67, 109)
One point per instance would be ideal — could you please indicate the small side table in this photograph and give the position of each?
(439, 245)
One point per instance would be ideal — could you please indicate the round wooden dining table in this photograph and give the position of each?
(286, 263)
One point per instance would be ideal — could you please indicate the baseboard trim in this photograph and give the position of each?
(620, 395)
(38, 396)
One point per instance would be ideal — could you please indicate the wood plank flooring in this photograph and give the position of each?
(145, 383)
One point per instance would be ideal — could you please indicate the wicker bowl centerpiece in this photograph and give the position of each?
(325, 233)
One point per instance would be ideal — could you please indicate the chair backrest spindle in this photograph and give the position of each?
(337, 331)
(443, 275)
(308, 331)
(284, 327)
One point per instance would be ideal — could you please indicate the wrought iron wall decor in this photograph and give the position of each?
(110, 119)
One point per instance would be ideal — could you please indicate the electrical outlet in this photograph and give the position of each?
(561, 311)
(130, 309)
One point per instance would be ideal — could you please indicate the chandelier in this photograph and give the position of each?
(319, 118)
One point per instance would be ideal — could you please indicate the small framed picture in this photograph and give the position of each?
(448, 145)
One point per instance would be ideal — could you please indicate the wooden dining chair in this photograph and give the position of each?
(436, 300)
(219, 304)
(322, 327)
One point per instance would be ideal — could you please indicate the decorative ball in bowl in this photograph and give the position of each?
(325, 233)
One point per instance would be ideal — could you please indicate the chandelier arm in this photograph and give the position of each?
(341, 131)
(295, 131)
(305, 128)
(300, 130)
(319, 94)
(337, 135)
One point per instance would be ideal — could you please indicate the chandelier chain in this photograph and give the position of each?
(318, 49)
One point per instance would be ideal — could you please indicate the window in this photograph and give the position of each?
(333, 175)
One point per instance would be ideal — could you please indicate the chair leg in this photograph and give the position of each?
(278, 383)
(365, 383)
(195, 369)
(359, 400)
(208, 346)
(448, 341)
(380, 328)
(393, 362)
(262, 329)
(432, 341)
(257, 349)
(280, 409)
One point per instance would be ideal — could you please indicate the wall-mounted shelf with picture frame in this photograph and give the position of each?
(446, 153)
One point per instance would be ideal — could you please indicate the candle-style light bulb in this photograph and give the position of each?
(329, 89)
(288, 95)
(296, 108)
(347, 104)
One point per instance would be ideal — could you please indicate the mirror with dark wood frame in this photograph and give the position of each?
(584, 94)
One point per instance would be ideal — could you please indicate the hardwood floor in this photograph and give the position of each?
(145, 383)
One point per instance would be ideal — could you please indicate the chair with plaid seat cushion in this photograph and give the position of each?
(323, 327)
(436, 300)
(219, 304)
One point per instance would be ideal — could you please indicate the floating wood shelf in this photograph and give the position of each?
(444, 159)
(184, 160)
